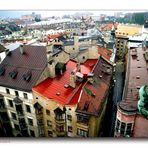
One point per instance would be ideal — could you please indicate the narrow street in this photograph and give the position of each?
(117, 93)
(114, 98)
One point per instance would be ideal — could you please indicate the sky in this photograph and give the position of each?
(60, 7)
(17, 14)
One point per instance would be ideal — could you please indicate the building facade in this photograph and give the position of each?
(63, 106)
(131, 120)
(41, 89)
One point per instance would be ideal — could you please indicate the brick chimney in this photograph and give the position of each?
(49, 51)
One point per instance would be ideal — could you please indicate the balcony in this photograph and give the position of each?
(59, 121)
(60, 133)
(83, 125)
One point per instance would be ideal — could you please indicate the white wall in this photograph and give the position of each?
(2, 56)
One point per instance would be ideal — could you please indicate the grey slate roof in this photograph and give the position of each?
(28, 67)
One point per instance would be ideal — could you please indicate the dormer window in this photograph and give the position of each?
(2, 71)
(27, 76)
(13, 74)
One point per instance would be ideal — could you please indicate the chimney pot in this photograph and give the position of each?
(21, 49)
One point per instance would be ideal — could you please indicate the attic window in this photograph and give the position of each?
(2, 71)
(137, 77)
(138, 87)
(13, 74)
(104, 65)
(100, 76)
(27, 76)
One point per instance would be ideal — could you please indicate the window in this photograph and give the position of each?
(70, 129)
(60, 128)
(10, 103)
(25, 95)
(59, 117)
(48, 112)
(49, 123)
(122, 127)
(128, 129)
(32, 134)
(82, 119)
(82, 133)
(28, 109)
(16, 127)
(7, 91)
(50, 133)
(83, 57)
(69, 117)
(30, 121)
(117, 125)
(13, 115)
(2, 104)
(16, 93)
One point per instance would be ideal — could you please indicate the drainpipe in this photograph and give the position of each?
(64, 110)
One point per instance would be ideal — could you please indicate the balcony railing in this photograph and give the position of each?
(82, 125)
(60, 133)
(83, 122)
(59, 120)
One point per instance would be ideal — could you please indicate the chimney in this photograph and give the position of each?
(7, 51)
(91, 78)
(21, 49)
(49, 51)
(76, 42)
(78, 68)
(72, 81)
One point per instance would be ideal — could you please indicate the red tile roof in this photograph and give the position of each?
(53, 36)
(109, 26)
(56, 35)
(106, 53)
(50, 87)
(94, 95)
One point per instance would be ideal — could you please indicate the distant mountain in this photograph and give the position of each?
(83, 13)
